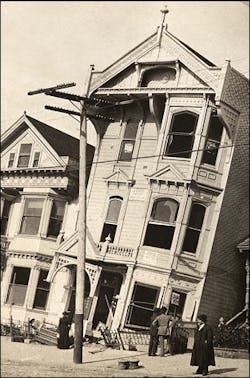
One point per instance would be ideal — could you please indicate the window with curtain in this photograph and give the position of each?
(213, 141)
(181, 135)
(18, 286)
(42, 291)
(111, 221)
(128, 142)
(56, 218)
(24, 155)
(31, 216)
(161, 224)
(194, 227)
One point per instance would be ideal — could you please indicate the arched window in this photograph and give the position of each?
(213, 141)
(161, 225)
(181, 135)
(111, 221)
(194, 228)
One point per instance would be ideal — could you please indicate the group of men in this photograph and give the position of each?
(163, 328)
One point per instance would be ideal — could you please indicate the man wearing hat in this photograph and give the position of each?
(203, 350)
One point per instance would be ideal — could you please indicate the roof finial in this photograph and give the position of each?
(160, 29)
(164, 11)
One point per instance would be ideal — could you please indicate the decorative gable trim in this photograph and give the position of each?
(119, 178)
(169, 175)
(68, 244)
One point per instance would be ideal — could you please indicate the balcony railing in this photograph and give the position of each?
(108, 249)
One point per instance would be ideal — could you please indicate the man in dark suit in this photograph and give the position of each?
(162, 323)
(203, 350)
(153, 332)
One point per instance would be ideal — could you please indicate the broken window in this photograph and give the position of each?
(24, 155)
(128, 142)
(42, 291)
(18, 286)
(143, 301)
(194, 228)
(161, 225)
(5, 216)
(177, 303)
(112, 216)
(11, 160)
(36, 159)
(213, 141)
(181, 135)
(31, 217)
(56, 218)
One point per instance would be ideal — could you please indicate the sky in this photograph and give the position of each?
(46, 43)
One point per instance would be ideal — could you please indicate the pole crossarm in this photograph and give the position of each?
(74, 97)
(73, 112)
(44, 90)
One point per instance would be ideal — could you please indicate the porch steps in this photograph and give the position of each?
(46, 336)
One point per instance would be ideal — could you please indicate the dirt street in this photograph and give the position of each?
(34, 360)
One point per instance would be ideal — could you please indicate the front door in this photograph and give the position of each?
(110, 284)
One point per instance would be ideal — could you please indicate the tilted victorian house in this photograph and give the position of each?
(166, 196)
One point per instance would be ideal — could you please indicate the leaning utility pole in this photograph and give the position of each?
(81, 254)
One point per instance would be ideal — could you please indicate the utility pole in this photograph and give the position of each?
(86, 104)
(81, 254)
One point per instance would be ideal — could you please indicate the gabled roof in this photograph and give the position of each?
(63, 144)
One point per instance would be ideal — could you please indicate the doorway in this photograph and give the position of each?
(109, 287)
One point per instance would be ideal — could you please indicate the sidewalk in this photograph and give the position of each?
(34, 360)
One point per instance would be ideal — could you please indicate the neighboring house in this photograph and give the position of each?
(167, 197)
(39, 169)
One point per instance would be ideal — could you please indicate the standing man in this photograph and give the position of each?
(153, 332)
(162, 323)
(203, 350)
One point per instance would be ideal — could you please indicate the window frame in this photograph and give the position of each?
(194, 203)
(5, 218)
(50, 218)
(29, 155)
(171, 134)
(129, 140)
(218, 142)
(26, 199)
(170, 225)
(12, 161)
(111, 198)
(41, 288)
(12, 284)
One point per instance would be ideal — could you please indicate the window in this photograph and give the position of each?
(161, 225)
(194, 228)
(112, 216)
(42, 291)
(143, 301)
(128, 142)
(181, 135)
(18, 286)
(31, 217)
(11, 160)
(177, 303)
(56, 218)
(213, 141)
(24, 155)
(36, 159)
(5, 216)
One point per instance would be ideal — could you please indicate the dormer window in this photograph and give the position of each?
(24, 155)
(181, 135)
